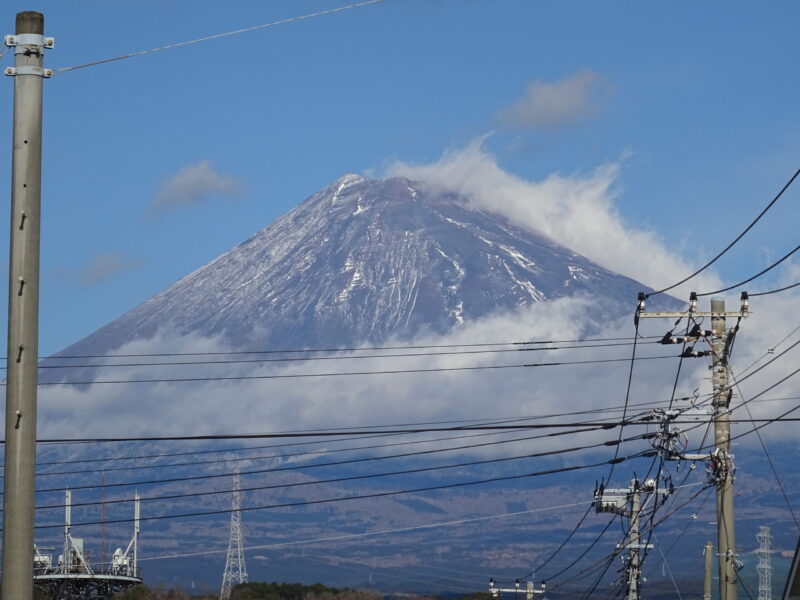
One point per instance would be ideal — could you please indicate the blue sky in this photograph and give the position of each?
(155, 165)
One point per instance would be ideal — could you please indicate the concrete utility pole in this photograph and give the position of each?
(709, 553)
(634, 557)
(29, 44)
(628, 503)
(722, 459)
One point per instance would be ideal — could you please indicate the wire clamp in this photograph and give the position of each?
(23, 42)
(40, 71)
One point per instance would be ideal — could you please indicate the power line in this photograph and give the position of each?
(333, 463)
(306, 483)
(735, 240)
(351, 536)
(764, 422)
(374, 432)
(627, 390)
(342, 349)
(616, 552)
(597, 423)
(319, 358)
(611, 471)
(686, 527)
(762, 367)
(783, 289)
(600, 424)
(284, 456)
(361, 496)
(587, 569)
(586, 551)
(577, 526)
(324, 559)
(771, 349)
(769, 460)
(330, 450)
(319, 452)
(349, 373)
(328, 441)
(216, 36)
(757, 275)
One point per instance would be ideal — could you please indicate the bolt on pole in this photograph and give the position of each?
(23, 306)
(723, 460)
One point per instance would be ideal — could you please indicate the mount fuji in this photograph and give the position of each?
(365, 260)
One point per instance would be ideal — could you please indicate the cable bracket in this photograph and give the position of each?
(22, 42)
(28, 70)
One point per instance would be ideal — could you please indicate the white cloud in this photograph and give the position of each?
(575, 211)
(260, 405)
(559, 103)
(190, 185)
(104, 266)
(270, 405)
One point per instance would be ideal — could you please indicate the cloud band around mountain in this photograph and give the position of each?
(576, 211)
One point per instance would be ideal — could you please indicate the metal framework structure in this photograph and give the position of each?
(73, 576)
(764, 566)
(235, 569)
(530, 590)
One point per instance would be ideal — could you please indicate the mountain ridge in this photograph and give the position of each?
(365, 260)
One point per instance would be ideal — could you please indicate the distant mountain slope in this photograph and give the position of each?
(363, 260)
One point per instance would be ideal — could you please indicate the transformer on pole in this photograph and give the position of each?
(628, 503)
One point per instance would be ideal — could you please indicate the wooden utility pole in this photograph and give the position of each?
(29, 44)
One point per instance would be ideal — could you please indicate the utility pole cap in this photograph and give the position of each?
(30, 21)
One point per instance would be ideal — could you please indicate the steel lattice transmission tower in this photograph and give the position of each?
(764, 566)
(235, 570)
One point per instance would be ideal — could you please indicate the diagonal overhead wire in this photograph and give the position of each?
(782, 289)
(756, 276)
(347, 373)
(735, 240)
(384, 494)
(351, 536)
(217, 36)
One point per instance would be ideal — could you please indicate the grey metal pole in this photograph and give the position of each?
(722, 458)
(23, 309)
(634, 542)
(709, 552)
